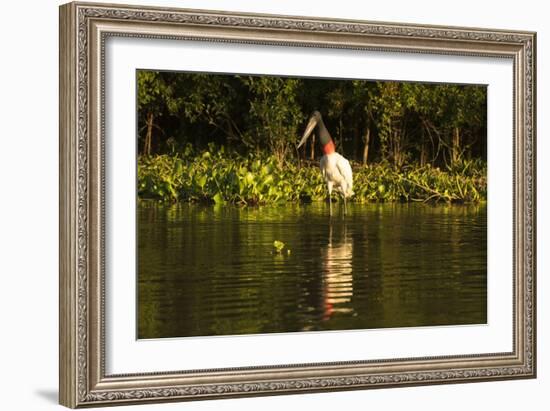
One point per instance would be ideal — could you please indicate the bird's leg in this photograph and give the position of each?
(329, 186)
(345, 208)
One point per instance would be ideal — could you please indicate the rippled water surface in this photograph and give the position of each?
(204, 270)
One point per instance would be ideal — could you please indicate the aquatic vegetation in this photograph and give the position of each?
(219, 176)
(279, 245)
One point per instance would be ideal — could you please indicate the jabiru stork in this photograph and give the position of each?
(335, 169)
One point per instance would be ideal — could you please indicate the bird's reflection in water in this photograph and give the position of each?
(337, 271)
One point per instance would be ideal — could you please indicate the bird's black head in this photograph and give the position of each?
(316, 122)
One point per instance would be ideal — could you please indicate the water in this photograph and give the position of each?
(205, 270)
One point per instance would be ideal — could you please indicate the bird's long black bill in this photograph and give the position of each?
(310, 126)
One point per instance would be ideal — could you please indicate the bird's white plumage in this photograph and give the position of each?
(337, 173)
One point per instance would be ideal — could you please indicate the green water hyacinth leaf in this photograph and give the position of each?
(279, 245)
(218, 198)
(202, 181)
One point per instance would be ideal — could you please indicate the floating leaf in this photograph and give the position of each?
(218, 198)
(279, 245)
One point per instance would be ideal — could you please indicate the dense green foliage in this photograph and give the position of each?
(397, 122)
(232, 138)
(218, 176)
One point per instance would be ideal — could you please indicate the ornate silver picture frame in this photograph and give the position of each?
(84, 30)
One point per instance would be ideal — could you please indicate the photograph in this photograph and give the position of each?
(257, 203)
(278, 204)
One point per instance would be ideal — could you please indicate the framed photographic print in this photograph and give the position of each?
(259, 204)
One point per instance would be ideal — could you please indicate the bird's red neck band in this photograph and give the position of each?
(329, 147)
